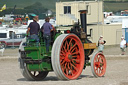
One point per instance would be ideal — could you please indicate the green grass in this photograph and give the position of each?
(115, 6)
(23, 3)
(109, 5)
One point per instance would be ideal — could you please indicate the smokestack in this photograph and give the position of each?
(83, 20)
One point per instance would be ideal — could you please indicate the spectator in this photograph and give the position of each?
(123, 45)
(101, 43)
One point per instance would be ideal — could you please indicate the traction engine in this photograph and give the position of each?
(69, 54)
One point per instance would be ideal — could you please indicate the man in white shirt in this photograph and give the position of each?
(123, 45)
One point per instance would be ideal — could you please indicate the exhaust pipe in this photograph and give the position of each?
(83, 20)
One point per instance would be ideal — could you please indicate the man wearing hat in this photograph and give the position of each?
(34, 28)
(123, 45)
(46, 29)
(101, 43)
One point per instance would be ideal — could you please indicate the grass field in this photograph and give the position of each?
(50, 4)
(115, 6)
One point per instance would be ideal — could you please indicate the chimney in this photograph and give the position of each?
(83, 20)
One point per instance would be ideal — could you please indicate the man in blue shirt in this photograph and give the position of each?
(34, 28)
(46, 29)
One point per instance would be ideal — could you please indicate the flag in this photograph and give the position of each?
(4, 7)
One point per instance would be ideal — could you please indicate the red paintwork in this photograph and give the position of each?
(72, 57)
(99, 64)
(11, 43)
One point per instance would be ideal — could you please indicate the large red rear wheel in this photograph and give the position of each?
(98, 64)
(68, 57)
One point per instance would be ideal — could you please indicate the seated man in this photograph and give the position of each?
(34, 28)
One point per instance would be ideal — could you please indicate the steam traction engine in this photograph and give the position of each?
(69, 55)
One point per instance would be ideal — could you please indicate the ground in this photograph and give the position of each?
(116, 73)
(108, 50)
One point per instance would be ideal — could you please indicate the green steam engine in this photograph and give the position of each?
(68, 55)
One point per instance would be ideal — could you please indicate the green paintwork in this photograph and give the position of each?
(38, 52)
(57, 35)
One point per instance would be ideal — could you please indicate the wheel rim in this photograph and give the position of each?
(99, 64)
(71, 57)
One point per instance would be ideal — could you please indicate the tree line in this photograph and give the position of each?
(36, 8)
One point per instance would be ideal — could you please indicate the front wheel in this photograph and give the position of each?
(98, 64)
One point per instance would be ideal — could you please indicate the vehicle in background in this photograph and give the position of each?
(12, 41)
(124, 13)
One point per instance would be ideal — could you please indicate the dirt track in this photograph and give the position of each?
(108, 50)
(116, 74)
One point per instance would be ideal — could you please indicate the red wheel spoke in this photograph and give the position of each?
(73, 62)
(97, 71)
(71, 72)
(63, 61)
(101, 69)
(62, 69)
(96, 68)
(98, 58)
(69, 66)
(73, 50)
(70, 43)
(66, 71)
(74, 67)
(61, 57)
(64, 49)
(74, 56)
(77, 60)
(75, 53)
(62, 52)
(66, 45)
(71, 69)
(73, 46)
(65, 66)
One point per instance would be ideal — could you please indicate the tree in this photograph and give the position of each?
(36, 8)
